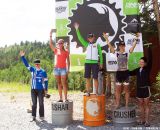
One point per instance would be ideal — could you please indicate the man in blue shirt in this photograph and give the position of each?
(39, 85)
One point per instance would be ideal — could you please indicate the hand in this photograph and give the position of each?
(52, 31)
(105, 37)
(22, 53)
(137, 34)
(76, 26)
(101, 66)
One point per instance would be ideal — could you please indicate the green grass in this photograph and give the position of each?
(19, 87)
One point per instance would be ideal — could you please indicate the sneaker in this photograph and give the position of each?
(29, 111)
(33, 119)
(66, 100)
(140, 123)
(42, 118)
(147, 124)
(87, 94)
(97, 94)
(60, 100)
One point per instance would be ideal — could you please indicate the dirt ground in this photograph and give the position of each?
(14, 116)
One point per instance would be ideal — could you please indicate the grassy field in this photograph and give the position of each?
(19, 87)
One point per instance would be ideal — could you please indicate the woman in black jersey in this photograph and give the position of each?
(143, 87)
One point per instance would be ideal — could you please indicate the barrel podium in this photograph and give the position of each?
(62, 113)
(94, 110)
(124, 116)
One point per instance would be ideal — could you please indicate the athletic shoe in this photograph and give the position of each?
(66, 100)
(147, 124)
(140, 123)
(60, 100)
(42, 118)
(87, 94)
(33, 119)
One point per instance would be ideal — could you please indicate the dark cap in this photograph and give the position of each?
(37, 61)
(90, 35)
(121, 43)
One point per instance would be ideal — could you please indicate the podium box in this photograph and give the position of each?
(124, 116)
(94, 110)
(62, 113)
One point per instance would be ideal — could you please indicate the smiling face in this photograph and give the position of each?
(91, 39)
(37, 66)
(61, 44)
(122, 48)
(142, 63)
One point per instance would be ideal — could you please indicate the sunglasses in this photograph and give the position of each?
(37, 64)
(60, 43)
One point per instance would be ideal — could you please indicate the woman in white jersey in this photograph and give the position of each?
(122, 74)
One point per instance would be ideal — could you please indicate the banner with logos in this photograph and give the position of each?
(118, 18)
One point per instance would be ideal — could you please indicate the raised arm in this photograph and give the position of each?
(149, 63)
(80, 38)
(51, 41)
(100, 56)
(108, 43)
(30, 68)
(68, 63)
(134, 43)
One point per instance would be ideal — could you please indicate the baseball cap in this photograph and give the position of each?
(121, 43)
(37, 61)
(90, 35)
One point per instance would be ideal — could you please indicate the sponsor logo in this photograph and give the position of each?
(101, 16)
(125, 114)
(60, 9)
(130, 41)
(60, 107)
(112, 62)
(132, 5)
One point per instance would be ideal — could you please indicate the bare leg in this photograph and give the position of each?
(108, 80)
(118, 95)
(58, 79)
(96, 85)
(88, 84)
(141, 107)
(147, 109)
(65, 85)
(127, 94)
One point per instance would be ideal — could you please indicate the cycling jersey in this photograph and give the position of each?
(39, 77)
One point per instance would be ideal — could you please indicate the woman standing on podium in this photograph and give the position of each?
(122, 74)
(62, 66)
(143, 87)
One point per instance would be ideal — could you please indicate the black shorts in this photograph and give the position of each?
(122, 76)
(143, 92)
(91, 68)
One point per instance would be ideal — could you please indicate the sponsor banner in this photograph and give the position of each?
(62, 10)
(61, 26)
(129, 39)
(111, 62)
(117, 18)
(133, 24)
(130, 7)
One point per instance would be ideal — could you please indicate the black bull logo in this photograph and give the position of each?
(91, 21)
